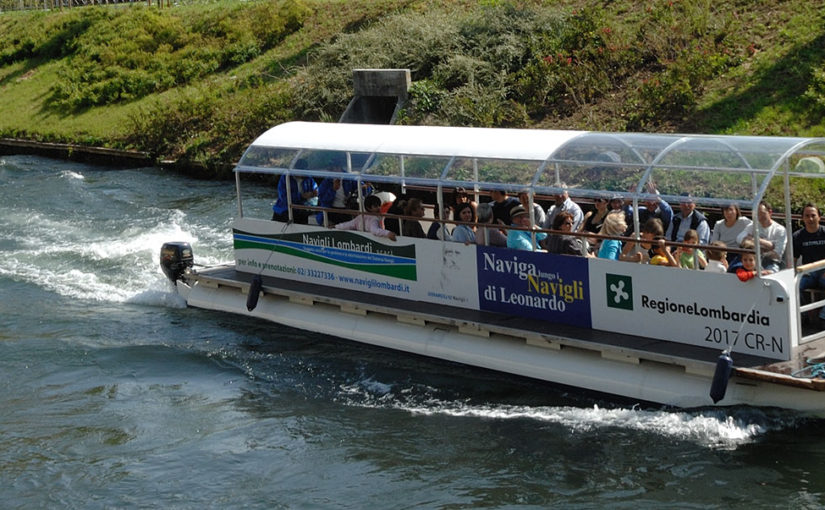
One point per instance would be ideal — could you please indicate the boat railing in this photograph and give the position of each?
(585, 235)
(807, 310)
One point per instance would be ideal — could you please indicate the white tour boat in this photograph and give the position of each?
(649, 333)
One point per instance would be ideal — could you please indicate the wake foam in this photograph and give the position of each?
(713, 428)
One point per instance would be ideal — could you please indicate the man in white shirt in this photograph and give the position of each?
(563, 203)
(772, 238)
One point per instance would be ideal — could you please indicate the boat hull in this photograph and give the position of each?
(595, 366)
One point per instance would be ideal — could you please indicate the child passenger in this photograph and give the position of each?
(690, 257)
(717, 258)
(642, 251)
(748, 269)
(369, 222)
(663, 257)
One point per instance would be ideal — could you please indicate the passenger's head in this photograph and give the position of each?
(810, 217)
(460, 195)
(372, 203)
(614, 224)
(691, 236)
(686, 205)
(519, 216)
(717, 251)
(524, 198)
(654, 228)
(731, 212)
(563, 221)
(498, 195)
(616, 203)
(484, 212)
(562, 195)
(764, 213)
(464, 212)
(748, 259)
(414, 208)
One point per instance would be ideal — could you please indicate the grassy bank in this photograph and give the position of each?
(199, 82)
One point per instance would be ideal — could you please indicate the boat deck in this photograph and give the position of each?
(536, 332)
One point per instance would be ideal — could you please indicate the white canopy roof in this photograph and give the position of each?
(715, 169)
(523, 144)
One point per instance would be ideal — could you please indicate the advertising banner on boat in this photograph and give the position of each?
(691, 307)
(421, 270)
(534, 285)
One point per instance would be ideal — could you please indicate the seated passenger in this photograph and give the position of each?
(748, 268)
(335, 193)
(772, 238)
(643, 251)
(488, 234)
(717, 258)
(302, 191)
(368, 222)
(561, 243)
(563, 203)
(729, 227)
(457, 197)
(437, 231)
(662, 256)
(464, 233)
(397, 207)
(689, 257)
(688, 218)
(656, 208)
(521, 239)
(593, 219)
(538, 210)
(502, 205)
(413, 228)
(614, 225)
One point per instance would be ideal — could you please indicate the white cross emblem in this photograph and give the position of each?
(619, 291)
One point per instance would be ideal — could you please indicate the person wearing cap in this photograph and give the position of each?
(688, 218)
(563, 203)
(522, 239)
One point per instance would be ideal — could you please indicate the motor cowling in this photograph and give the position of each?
(175, 259)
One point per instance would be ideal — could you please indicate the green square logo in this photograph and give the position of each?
(619, 291)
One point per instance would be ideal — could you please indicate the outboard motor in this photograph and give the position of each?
(175, 259)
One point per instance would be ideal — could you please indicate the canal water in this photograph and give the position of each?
(113, 394)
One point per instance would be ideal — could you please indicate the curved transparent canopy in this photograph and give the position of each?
(715, 170)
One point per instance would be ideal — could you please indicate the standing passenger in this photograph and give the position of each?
(564, 203)
(502, 204)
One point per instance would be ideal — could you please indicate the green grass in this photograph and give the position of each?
(198, 82)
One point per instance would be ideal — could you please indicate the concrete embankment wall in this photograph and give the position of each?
(94, 155)
(108, 157)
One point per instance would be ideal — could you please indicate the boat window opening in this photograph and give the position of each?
(267, 158)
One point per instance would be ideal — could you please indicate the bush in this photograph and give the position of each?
(140, 51)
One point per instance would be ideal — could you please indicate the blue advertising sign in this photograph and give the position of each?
(553, 288)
